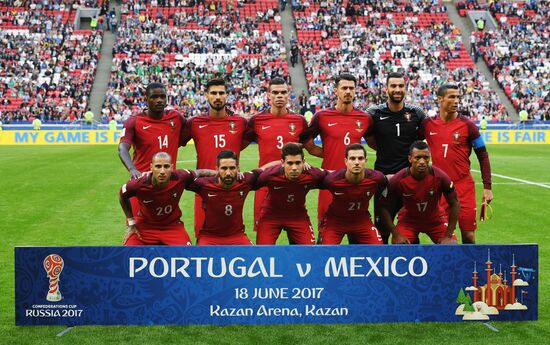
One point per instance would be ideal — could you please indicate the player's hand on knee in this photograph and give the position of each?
(130, 230)
(447, 240)
(399, 239)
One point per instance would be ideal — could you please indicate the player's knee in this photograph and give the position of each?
(468, 237)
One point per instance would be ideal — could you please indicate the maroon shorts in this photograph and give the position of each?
(299, 231)
(235, 239)
(466, 191)
(331, 232)
(174, 235)
(436, 231)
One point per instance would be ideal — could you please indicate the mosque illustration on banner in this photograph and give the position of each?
(496, 295)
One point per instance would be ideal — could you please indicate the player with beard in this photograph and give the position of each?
(339, 127)
(219, 130)
(451, 138)
(223, 199)
(395, 127)
(274, 128)
(158, 192)
(416, 191)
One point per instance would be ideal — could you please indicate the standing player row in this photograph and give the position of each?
(389, 128)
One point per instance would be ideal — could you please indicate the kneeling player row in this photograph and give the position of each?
(151, 202)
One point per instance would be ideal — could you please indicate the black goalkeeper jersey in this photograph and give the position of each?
(394, 133)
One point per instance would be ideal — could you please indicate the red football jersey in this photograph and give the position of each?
(272, 132)
(451, 144)
(350, 201)
(287, 199)
(419, 199)
(213, 135)
(338, 130)
(158, 207)
(149, 136)
(223, 207)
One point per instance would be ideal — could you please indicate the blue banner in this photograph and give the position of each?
(274, 284)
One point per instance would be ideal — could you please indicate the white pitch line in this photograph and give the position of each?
(517, 179)
(63, 332)
(492, 328)
(510, 183)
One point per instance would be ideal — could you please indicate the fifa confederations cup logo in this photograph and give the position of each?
(53, 264)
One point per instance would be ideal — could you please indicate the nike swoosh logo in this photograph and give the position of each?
(266, 127)
(145, 127)
(277, 187)
(211, 195)
(202, 126)
(384, 117)
(433, 133)
(338, 193)
(332, 124)
(147, 201)
(408, 194)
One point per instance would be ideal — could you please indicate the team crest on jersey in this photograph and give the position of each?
(241, 194)
(456, 136)
(172, 124)
(431, 193)
(292, 128)
(175, 195)
(232, 127)
(408, 116)
(368, 194)
(359, 125)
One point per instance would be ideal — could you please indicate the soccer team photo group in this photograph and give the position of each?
(274, 171)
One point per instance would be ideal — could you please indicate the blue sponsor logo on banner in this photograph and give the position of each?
(275, 284)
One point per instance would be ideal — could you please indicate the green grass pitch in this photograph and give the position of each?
(67, 196)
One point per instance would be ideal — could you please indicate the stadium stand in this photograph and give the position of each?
(183, 46)
(51, 5)
(46, 67)
(518, 54)
(369, 38)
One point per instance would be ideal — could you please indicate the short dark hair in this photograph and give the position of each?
(292, 149)
(354, 147)
(345, 76)
(153, 86)
(226, 154)
(419, 145)
(394, 75)
(277, 81)
(214, 82)
(442, 90)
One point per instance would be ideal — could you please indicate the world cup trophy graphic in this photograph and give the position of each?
(53, 264)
